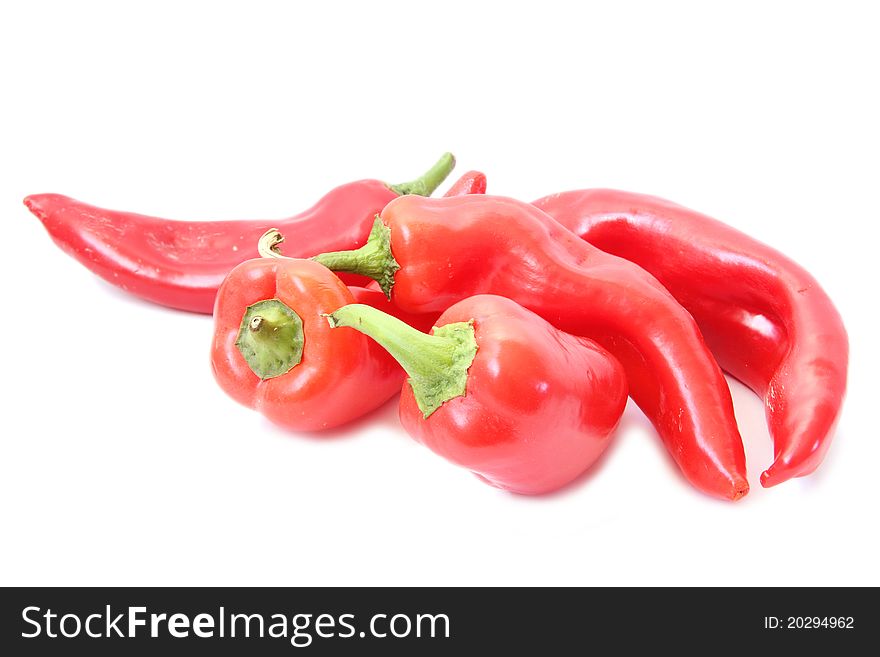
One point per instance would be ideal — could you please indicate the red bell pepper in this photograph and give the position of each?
(273, 351)
(182, 263)
(766, 319)
(500, 391)
(429, 253)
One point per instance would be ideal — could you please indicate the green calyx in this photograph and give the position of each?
(270, 338)
(374, 259)
(461, 347)
(430, 180)
(437, 364)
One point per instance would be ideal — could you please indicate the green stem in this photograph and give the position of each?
(430, 180)
(437, 364)
(374, 259)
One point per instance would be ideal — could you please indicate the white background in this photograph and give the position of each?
(122, 461)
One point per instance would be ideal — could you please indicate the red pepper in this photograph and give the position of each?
(182, 263)
(766, 319)
(273, 351)
(472, 182)
(500, 391)
(429, 253)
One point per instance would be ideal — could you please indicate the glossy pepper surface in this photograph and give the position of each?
(430, 253)
(766, 319)
(470, 182)
(273, 351)
(181, 264)
(498, 390)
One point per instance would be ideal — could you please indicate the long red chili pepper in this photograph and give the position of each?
(182, 263)
(429, 253)
(500, 391)
(273, 351)
(766, 319)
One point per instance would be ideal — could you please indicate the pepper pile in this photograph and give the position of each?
(514, 331)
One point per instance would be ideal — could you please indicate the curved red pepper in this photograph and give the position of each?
(500, 391)
(337, 376)
(182, 263)
(430, 253)
(766, 319)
